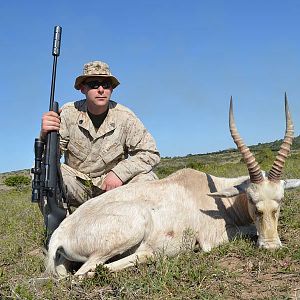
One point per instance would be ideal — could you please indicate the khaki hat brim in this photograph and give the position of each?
(80, 79)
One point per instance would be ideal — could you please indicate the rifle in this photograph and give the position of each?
(47, 186)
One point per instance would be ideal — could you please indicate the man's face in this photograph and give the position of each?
(97, 91)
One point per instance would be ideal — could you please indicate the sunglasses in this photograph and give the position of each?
(95, 84)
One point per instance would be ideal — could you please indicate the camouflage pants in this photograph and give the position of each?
(80, 187)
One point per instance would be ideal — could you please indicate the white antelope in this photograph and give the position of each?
(134, 222)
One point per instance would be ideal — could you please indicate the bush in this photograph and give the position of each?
(17, 180)
(265, 155)
(165, 171)
(195, 165)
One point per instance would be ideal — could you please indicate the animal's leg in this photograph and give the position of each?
(88, 268)
(110, 250)
(115, 266)
(129, 261)
(62, 266)
(120, 232)
(89, 265)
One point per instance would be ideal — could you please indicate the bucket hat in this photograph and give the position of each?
(96, 69)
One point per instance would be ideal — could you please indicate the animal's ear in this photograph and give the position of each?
(229, 192)
(291, 183)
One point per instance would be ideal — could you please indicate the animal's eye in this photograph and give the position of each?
(259, 213)
(250, 199)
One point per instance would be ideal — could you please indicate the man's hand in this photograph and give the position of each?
(111, 181)
(50, 122)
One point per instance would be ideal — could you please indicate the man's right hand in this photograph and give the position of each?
(50, 122)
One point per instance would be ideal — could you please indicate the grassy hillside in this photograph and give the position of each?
(237, 270)
(276, 144)
(228, 162)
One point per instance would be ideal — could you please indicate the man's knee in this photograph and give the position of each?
(78, 191)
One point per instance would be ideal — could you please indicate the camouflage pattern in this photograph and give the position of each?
(81, 190)
(96, 69)
(122, 144)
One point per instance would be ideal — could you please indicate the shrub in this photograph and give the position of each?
(264, 156)
(195, 165)
(165, 171)
(17, 180)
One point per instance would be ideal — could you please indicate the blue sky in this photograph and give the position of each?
(178, 63)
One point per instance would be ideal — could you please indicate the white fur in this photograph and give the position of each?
(169, 215)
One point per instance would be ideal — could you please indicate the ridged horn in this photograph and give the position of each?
(253, 167)
(285, 148)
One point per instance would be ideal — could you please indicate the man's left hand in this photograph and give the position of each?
(111, 181)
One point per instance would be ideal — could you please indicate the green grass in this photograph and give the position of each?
(237, 270)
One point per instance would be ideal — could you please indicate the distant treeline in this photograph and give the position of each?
(227, 162)
(274, 146)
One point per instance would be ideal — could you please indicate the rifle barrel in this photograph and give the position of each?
(50, 176)
(55, 53)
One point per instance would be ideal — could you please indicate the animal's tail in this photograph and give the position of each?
(54, 244)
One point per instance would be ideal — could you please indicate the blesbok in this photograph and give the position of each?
(134, 222)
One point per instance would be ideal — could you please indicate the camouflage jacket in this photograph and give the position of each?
(121, 144)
